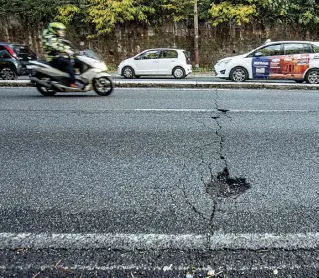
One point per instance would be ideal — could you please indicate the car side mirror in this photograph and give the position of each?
(258, 54)
(137, 58)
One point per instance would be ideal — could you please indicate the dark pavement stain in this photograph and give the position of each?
(224, 186)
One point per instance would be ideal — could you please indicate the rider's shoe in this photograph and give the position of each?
(74, 86)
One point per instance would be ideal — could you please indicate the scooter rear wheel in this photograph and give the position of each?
(42, 89)
(103, 86)
(45, 91)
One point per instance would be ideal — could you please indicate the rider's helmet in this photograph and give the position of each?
(57, 28)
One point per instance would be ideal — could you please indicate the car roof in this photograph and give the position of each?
(13, 43)
(275, 42)
(165, 48)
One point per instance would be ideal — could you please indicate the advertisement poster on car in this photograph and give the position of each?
(281, 67)
(292, 66)
(261, 67)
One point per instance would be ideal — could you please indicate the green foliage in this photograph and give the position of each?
(303, 12)
(102, 16)
(106, 14)
(67, 13)
(179, 10)
(227, 11)
(30, 11)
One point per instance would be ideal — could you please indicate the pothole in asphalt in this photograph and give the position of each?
(224, 186)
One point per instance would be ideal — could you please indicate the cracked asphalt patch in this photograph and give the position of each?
(222, 185)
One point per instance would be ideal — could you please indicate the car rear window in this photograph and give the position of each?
(297, 48)
(315, 48)
(22, 50)
(188, 57)
(169, 54)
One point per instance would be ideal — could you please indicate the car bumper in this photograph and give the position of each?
(188, 69)
(221, 71)
(119, 70)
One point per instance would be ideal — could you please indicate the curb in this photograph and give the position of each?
(187, 84)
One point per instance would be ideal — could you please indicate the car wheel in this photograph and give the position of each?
(128, 72)
(238, 74)
(312, 76)
(179, 73)
(7, 73)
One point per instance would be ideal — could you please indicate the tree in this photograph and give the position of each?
(105, 14)
(239, 12)
(302, 12)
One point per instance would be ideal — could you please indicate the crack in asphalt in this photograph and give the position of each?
(222, 185)
(183, 189)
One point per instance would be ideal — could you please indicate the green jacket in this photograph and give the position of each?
(53, 46)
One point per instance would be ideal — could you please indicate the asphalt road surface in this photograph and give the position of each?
(131, 185)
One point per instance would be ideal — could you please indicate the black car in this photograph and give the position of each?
(13, 60)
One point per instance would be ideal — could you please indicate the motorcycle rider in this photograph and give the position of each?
(56, 51)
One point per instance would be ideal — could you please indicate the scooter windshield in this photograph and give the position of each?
(91, 54)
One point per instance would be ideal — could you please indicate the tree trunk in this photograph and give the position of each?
(196, 34)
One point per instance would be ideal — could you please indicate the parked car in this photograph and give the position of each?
(288, 60)
(160, 61)
(13, 60)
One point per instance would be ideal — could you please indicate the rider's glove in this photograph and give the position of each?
(69, 52)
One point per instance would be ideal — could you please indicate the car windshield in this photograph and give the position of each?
(91, 54)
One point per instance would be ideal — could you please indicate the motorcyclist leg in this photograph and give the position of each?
(65, 65)
(78, 65)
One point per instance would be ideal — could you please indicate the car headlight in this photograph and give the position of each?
(225, 62)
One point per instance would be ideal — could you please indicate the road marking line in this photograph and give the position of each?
(142, 267)
(159, 241)
(170, 110)
(215, 110)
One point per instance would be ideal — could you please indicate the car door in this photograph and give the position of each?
(4, 56)
(147, 63)
(295, 61)
(266, 62)
(168, 60)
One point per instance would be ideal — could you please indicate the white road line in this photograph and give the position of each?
(185, 268)
(171, 268)
(165, 110)
(132, 242)
(174, 89)
(213, 110)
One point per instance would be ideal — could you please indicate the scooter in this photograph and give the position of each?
(49, 80)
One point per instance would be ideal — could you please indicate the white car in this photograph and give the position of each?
(289, 60)
(160, 61)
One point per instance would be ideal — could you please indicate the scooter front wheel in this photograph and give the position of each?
(103, 86)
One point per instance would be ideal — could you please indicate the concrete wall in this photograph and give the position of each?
(126, 41)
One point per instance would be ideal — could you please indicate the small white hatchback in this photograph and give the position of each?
(287, 60)
(159, 61)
